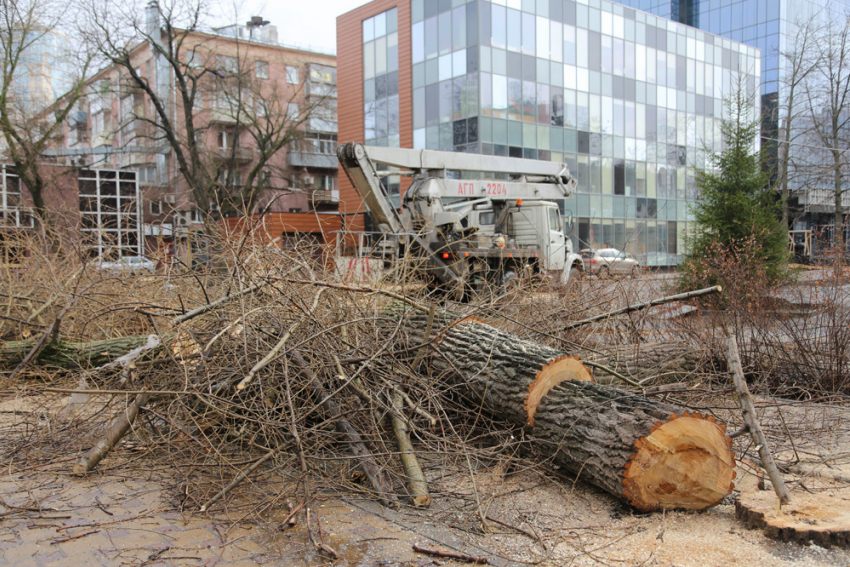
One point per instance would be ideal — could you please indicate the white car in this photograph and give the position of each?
(127, 265)
(610, 261)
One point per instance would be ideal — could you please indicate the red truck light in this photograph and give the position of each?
(593, 260)
(446, 255)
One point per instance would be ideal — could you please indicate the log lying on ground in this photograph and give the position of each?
(666, 361)
(651, 454)
(71, 356)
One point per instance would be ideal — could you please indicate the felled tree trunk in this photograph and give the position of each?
(665, 361)
(651, 454)
(71, 356)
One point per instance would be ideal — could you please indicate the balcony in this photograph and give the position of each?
(323, 197)
(222, 116)
(821, 200)
(17, 218)
(239, 155)
(311, 159)
(320, 90)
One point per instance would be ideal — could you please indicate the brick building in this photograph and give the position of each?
(245, 82)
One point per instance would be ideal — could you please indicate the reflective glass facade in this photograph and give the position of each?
(765, 24)
(380, 86)
(628, 100)
(380, 79)
(770, 25)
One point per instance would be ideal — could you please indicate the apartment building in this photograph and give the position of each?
(630, 101)
(247, 86)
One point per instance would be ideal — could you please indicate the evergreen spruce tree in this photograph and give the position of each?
(738, 230)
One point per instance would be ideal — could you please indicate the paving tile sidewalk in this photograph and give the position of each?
(51, 520)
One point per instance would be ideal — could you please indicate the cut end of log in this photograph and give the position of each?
(79, 469)
(686, 462)
(422, 501)
(560, 369)
(819, 518)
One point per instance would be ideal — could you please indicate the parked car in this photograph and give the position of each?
(609, 262)
(126, 265)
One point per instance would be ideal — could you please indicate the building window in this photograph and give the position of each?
(230, 178)
(110, 213)
(225, 139)
(12, 253)
(322, 74)
(295, 210)
(147, 175)
(227, 64)
(195, 59)
(261, 70)
(292, 111)
(316, 143)
(156, 208)
(11, 190)
(292, 75)
(265, 178)
(324, 182)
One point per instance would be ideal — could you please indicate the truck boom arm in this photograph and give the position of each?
(356, 162)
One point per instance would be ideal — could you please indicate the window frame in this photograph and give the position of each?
(293, 74)
(261, 69)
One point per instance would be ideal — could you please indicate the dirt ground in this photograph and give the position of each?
(130, 514)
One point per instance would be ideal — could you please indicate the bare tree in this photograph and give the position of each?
(800, 61)
(188, 65)
(827, 93)
(38, 92)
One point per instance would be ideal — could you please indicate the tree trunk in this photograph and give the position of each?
(71, 356)
(664, 361)
(651, 454)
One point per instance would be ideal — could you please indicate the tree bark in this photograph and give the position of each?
(664, 361)
(71, 356)
(651, 454)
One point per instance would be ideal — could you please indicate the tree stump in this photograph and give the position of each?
(819, 518)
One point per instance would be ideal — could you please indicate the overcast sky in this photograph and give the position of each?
(310, 24)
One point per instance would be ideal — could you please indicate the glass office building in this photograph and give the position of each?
(771, 26)
(630, 101)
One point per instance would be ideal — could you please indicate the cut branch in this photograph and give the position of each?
(120, 426)
(648, 304)
(415, 478)
(749, 412)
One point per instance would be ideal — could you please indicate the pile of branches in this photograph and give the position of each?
(270, 368)
(266, 368)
